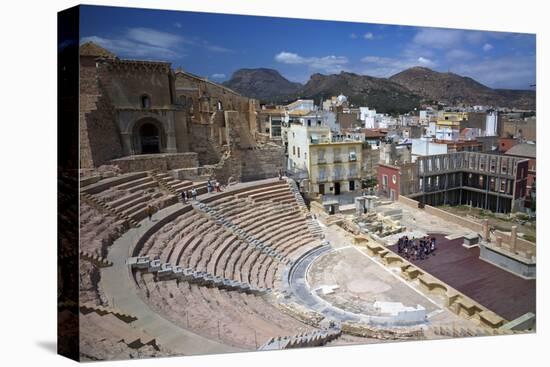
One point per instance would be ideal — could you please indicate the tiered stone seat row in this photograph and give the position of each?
(130, 195)
(196, 256)
(108, 337)
(235, 318)
(316, 338)
(165, 271)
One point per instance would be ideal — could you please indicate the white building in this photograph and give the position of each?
(491, 124)
(301, 105)
(320, 118)
(425, 147)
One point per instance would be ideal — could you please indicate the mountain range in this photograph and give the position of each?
(397, 94)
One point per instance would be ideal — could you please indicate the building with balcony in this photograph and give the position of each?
(329, 163)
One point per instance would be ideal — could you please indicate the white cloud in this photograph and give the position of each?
(425, 62)
(438, 38)
(387, 66)
(156, 38)
(218, 76)
(459, 54)
(353, 36)
(215, 48)
(368, 36)
(487, 47)
(328, 64)
(149, 43)
(507, 72)
(177, 24)
(129, 48)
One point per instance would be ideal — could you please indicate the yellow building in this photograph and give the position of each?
(335, 165)
(451, 118)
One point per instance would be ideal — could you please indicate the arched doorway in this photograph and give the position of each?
(149, 136)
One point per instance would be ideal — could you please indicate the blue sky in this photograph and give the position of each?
(216, 45)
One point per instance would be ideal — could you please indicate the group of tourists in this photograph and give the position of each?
(416, 248)
(188, 194)
(213, 186)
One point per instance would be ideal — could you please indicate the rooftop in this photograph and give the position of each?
(93, 49)
(523, 150)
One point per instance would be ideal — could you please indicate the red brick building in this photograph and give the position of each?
(389, 180)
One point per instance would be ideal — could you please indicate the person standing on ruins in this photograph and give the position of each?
(218, 189)
(209, 186)
(149, 211)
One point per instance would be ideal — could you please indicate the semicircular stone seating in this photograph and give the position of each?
(107, 208)
(266, 211)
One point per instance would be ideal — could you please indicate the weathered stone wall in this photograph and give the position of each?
(261, 163)
(162, 162)
(204, 145)
(128, 81)
(369, 166)
(99, 135)
(181, 131)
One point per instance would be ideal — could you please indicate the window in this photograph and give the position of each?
(394, 179)
(293, 150)
(504, 167)
(321, 156)
(337, 157)
(384, 181)
(276, 127)
(338, 173)
(353, 170)
(493, 165)
(145, 101)
(352, 155)
(298, 152)
(322, 174)
(502, 185)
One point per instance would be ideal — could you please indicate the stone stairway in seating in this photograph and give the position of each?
(110, 327)
(176, 186)
(312, 224)
(103, 207)
(465, 332)
(314, 227)
(241, 233)
(97, 260)
(128, 196)
(314, 339)
(86, 308)
(296, 192)
(165, 271)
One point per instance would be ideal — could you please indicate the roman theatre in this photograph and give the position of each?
(252, 266)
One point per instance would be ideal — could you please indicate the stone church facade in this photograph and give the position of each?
(137, 108)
